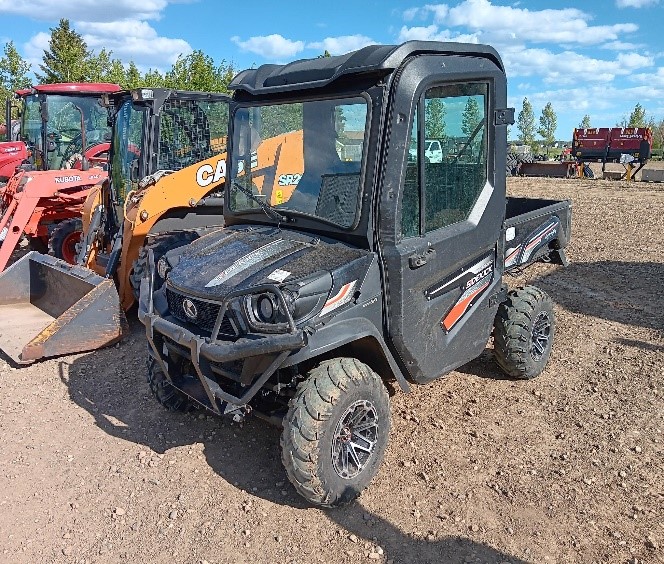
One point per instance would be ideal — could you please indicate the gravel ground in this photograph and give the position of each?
(565, 468)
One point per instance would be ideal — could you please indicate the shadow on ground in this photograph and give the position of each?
(404, 548)
(626, 292)
(110, 385)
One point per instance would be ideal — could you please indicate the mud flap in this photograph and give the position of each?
(49, 307)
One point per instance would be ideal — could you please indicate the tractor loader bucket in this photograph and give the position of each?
(49, 307)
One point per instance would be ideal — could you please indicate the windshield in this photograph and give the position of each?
(191, 131)
(63, 128)
(301, 157)
(126, 148)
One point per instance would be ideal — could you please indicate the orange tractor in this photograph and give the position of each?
(49, 164)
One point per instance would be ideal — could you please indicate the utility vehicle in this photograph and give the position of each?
(325, 285)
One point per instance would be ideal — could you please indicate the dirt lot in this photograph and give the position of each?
(565, 468)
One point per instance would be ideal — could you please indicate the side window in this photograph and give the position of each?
(454, 158)
(410, 204)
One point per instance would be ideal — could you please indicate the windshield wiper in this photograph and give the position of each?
(267, 208)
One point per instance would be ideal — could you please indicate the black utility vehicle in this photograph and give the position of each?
(364, 263)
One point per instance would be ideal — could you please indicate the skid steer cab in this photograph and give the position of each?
(373, 263)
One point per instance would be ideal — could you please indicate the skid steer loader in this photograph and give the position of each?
(167, 169)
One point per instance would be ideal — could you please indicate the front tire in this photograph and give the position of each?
(164, 392)
(64, 239)
(336, 432)
(523, 332)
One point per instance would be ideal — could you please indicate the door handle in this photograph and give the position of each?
(420, 259)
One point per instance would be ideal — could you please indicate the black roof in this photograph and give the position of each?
(373, 59)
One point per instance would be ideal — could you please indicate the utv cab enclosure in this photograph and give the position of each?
(373, 263)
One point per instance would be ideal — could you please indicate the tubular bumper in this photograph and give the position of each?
(204, 351)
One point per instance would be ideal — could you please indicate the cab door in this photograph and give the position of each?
(440, 221)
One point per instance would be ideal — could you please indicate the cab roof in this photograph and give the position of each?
(72, 88)
(373, 59)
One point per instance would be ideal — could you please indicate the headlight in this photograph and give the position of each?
(266, 312)
(266, 309)
(163, 267)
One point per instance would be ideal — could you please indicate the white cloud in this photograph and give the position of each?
(273, 47)
(622, 46)
(133, 40)
(341, 44)
(569, 67)
(504, 24)
(85, 10)
(120, 26)
(653, 80)
(635, 3)
(432, 33)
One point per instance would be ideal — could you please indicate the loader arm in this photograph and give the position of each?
(41, 195)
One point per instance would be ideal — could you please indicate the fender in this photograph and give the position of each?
(348, 332)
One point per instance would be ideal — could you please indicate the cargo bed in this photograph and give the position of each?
(535, 229)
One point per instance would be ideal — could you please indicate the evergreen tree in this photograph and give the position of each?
(471, 117)
(133, 77)
(197, 71)
(525, 123)
(13, 75)
(658, 135)
(434, 118)
(102, 68)
(153, 79)
(585, 122)
(68, 57)
(638, 117)
(548, 125)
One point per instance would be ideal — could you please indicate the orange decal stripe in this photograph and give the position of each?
(459, 309)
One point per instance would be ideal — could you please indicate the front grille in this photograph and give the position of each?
(206, 313)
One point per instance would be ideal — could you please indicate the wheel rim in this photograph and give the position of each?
(69, 247)
(354, 439)
(540, 336)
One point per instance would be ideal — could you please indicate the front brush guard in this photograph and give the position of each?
(204, 351)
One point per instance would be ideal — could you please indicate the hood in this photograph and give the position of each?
(238, 258)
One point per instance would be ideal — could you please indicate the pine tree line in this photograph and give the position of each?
(68, 59)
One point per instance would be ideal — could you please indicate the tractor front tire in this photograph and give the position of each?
(64, 239)
(523, 332)
(336, 432)
(164, 392)
(160, 246)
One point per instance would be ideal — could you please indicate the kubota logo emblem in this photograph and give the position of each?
(189, 308)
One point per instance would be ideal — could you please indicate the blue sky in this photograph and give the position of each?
(597, 57)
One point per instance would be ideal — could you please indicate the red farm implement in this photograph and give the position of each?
(630, 146)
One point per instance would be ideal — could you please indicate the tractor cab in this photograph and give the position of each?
(58, 125)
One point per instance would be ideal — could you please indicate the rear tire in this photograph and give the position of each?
(37, 244)
(336, 432)
(160, 246)
(164, 392)
(523, 332)
(65, 238)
